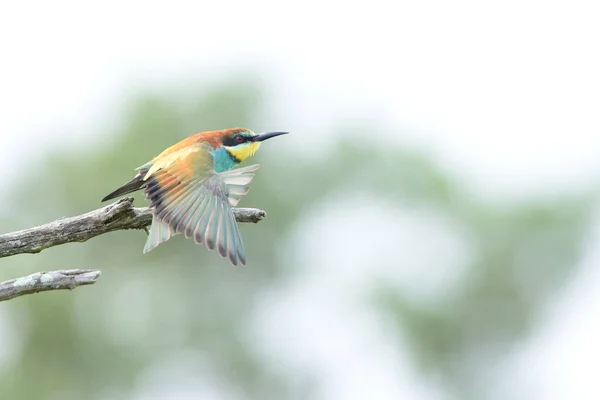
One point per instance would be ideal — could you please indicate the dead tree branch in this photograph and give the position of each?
(120, 215)
(44, 281)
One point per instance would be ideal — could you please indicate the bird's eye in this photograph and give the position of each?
(239, 139)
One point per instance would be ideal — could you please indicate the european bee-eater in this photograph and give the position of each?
(192, 187)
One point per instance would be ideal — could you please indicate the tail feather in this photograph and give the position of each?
(133, 185)
(159, 232)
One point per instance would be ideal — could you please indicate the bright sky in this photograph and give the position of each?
(506, 94)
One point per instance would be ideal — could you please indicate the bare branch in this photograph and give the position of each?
(51, 280)
(120, 215)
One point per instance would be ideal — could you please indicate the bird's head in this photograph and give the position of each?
(242, 143)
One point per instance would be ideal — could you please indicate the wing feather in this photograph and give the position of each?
(189, 197)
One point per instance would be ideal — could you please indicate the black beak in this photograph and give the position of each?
(267, 135)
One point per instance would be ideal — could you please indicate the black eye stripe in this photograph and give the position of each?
(234, 140)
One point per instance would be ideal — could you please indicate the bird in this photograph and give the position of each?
(193, 185)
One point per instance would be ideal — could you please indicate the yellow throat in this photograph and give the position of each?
(244, 151)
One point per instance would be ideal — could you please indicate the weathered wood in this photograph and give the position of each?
(44, 281)
(120, 215)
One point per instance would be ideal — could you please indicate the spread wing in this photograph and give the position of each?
(190, 198)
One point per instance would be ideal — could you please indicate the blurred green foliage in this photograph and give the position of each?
(96, 342)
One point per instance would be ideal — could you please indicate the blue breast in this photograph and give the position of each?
(224, 161)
